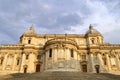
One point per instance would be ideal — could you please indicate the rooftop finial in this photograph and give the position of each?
(90, 27)
(31, 30)
(32, 27)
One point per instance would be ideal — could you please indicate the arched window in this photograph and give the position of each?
(93, 41)
(27, 56)
(18, 61)
(72, 53)
(9, 60)
(50, 53)
(29, 40)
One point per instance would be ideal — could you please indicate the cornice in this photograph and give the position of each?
(11, 46)
(54, 35)
(110, 46)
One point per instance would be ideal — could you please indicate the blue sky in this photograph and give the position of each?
(59, 16)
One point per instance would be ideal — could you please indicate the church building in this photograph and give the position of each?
(60, 52)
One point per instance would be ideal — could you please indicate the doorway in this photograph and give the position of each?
(38, 68)
(25, 70)
(84, 68)
(97, 68)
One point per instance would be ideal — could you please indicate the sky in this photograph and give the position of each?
(59, 17)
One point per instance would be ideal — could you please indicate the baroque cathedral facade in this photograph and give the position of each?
(60, 52)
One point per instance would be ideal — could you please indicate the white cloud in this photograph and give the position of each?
(102, 19)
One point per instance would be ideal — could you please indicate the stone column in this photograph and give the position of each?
(31, 63)
(68, 54)
(43, 62)
(5, 61)
(46, 59)
(80, 59)
(118, 61)
(108, 62)
(54, 53)
(53, 58)
(92, 63)
(67, 59)
(14, 62)
(65, 53)
(76, 59)
(65, 56)
(100, 62)
(75, 55)
(22, 62)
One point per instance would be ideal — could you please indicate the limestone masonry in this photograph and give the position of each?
(60, 52)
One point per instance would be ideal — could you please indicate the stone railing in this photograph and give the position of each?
(112, 45)
(10, 45)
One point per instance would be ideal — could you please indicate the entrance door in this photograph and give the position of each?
(25, 70)
(84, 68)
(38, 68)
(97, 68)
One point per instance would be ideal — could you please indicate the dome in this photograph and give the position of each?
(30, 31)
(92, 31)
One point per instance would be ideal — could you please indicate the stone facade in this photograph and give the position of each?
(60, 52)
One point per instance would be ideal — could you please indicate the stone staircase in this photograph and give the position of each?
(60, 76)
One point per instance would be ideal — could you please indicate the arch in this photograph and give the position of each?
(97, 68)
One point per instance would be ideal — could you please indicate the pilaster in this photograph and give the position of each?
(14, 62)
(31, 63)
(118, 61)
(92, 63)
(100, 62)
(22, 62)
(5, 61)
(108, 62)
